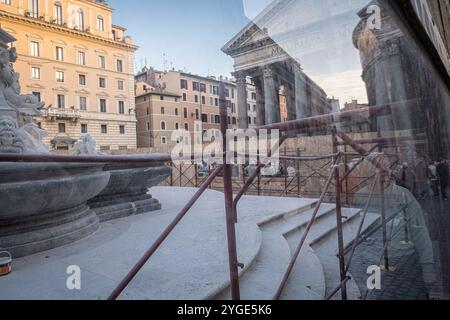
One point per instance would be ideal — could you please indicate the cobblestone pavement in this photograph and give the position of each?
(407, 280)
(405, 283)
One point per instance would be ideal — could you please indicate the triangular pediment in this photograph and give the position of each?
(103, 94)
(82, 91)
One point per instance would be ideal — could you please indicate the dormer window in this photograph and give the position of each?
(80, 19)
(100, 23)
(58, 13)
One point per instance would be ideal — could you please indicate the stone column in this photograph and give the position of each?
(289, 93)
(301, 97)
(260, 104)
(270, 97)
(241, 82)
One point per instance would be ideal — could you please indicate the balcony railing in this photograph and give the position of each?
(62, 114)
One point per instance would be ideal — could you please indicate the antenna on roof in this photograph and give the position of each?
(164, 62)
(146, 61)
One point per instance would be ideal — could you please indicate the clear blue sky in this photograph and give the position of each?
(190, 33)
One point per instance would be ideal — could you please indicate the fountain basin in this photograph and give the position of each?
(44, 205)
(127, 191)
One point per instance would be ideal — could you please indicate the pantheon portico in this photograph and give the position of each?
(272, 70)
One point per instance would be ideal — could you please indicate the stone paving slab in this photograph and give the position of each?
(190, 264)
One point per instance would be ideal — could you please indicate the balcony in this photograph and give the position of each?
(67, 114)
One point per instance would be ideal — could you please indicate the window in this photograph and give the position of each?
(186, 126)
(163, 140)
(161, 98)
(148, 126)
(102, 82)
(102, 105)
(82, 79)
(61, 127)
(204, 118)
(197, 115)
(217, 118)
(84, 128)
(185, 113)
(216, 90)
(105, 148)
(203, 100)
(83, 103)
(81, 58)
(163, 125)
(212, 119)
(184, 97)
(177, 126)
(120, 85)
(104, 128)
(80, 19)
(195, 86)
(183, 84)
(233, 120)
(253, 95)
(37, 95)
(34, 49)
(249, 120)
(162, 110)
(61, 101)
(211, 101)
(122, 129)
(196, 98)
(216, 102)
(202, 87)
(232, 93)
(57, 11)
(123, 147)
(34, 8)
(121, 107)
(59, 76)
(100, 23)
(119, 66)
(102, 62)
(35, 73)
(59, 54)
(6, 1)
(176, 111)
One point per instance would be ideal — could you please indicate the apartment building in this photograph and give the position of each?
(199, 98)
(71, 56)
(158, 114)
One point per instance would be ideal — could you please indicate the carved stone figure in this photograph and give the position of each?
(10, 142)
(86, 146)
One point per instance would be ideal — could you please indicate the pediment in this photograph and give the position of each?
(121, 96)
(103, 94)
(61, 89)
(82, 91)
(35, 86)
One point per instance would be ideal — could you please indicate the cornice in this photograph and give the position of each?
(65, 30)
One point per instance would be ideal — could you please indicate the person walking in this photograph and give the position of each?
(433, 176)
(407, 177)
(443, 173)
(421, 172)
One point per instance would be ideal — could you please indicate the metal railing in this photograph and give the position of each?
(322, 122)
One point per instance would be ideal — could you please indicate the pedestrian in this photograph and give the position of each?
(434, 179)
(443, 173)
(421, 172)
(407, 178)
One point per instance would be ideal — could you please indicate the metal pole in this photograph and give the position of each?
(383, 210)
(340, 231)
(298, 174)
(196, 174)
(138, 266)
(228, 192)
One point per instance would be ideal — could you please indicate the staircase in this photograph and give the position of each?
(316, 272)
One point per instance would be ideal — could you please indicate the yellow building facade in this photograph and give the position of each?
(71, 56)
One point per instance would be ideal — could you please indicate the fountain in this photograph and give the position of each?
(46, 205)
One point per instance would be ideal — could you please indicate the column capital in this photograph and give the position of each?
(267, 72)
(241, 77)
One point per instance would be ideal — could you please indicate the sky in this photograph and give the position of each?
(188, 35)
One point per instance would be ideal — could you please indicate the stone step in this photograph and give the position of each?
(307, 280)
(277, 219)
(326, 250)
